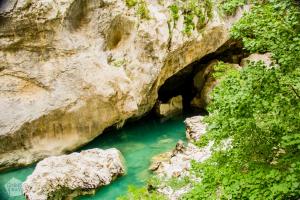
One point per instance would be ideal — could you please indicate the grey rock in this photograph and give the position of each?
(67, 176)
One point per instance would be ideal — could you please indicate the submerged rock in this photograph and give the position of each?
(67, 176)
(157, 160)
(172, 107)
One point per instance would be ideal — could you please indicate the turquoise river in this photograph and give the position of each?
(138, 141)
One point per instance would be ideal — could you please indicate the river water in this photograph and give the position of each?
(138, 141)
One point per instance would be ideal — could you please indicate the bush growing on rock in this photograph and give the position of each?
(196, 13)
(142, 8)
(141, 194)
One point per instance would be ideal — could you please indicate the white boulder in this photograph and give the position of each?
(67, 176)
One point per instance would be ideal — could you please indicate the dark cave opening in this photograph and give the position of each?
(182, 82)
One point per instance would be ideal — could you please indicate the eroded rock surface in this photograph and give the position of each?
(265, 58)
(205, 82)
(173, 107)
(195, 128)
(71, 68)
(67, 176)
(178, 162)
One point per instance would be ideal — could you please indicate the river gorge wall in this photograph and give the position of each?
(71, 68)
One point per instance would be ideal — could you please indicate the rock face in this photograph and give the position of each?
(266, 58)
(172, 107)
(71, 68)
(205, 82)
(178, 162)
(67, 176)
(195, 128)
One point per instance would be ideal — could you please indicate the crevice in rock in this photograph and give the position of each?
(182, 82)
(76, 15)
(119, 31)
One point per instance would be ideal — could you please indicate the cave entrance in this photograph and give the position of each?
(182, 83)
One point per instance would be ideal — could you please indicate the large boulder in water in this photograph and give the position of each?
(67, 176)
(71, 68)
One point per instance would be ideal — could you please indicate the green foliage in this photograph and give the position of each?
(208, 6)
(135, 193)
(131, 3)
(176, 183)
(142, 8)
(258, 183)
(221, 69)
(174, 11)
(119, 62)
(262, 117)
(229, 7)
(259, 109)
(195, 13)
(272, 27)
(150, 191)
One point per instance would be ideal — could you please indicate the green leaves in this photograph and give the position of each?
(131, 3)
(135, 193)
(175, 11)
(195, 13)
(141, 9)
(229, 7)
(259, 109)
(272, 27)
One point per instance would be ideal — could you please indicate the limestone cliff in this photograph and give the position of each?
(71, 68)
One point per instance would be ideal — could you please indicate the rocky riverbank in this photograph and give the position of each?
(177, 163)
